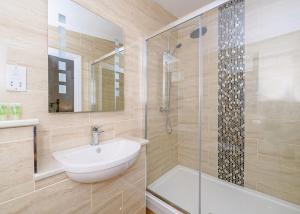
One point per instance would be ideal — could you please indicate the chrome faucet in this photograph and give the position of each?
(95, 134)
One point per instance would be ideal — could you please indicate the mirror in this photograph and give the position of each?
(85, 60)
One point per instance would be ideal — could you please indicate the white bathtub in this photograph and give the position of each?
(180, 186)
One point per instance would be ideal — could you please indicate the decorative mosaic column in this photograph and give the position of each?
(231, 101)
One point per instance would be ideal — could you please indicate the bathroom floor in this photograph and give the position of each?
(149, 212)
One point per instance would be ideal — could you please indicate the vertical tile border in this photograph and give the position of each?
(231, 101)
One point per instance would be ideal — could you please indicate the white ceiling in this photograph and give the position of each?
(180, 7)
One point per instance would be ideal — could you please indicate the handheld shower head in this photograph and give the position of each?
(179, 45)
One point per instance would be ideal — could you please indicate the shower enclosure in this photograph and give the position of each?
(223, 110)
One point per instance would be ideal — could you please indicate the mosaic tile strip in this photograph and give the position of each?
(231, 68)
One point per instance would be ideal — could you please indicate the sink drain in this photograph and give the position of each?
(98, 150)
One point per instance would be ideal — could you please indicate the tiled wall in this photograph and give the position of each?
(23, 40)
(272, 161)
(188, 97)
(272, 141)
(162, 150)
(209, 126)
(231, 85)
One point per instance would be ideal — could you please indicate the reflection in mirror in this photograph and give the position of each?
(107, 78)
(85, 60)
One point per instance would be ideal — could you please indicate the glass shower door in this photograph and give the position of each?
(250, 108)
(173, 115)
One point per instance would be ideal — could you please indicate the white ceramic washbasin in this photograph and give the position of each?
(89, 164)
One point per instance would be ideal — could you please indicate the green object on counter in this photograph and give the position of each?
(15, 111)
(4, 112)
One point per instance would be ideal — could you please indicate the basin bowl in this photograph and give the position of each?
(90, 164)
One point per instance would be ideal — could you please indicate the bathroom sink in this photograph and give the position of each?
(89, 164)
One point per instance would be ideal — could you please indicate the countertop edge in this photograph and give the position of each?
(18, 123)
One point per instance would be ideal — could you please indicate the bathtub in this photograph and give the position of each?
(180, 187)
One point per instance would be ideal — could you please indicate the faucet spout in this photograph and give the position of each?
(96, 131)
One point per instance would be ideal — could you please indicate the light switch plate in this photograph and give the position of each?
(16, 78)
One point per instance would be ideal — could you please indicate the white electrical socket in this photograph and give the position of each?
(16, 78)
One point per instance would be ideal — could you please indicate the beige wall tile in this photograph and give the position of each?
(49, 181)
(273, 123)
(102, 192)
(66, 138)
(16, 134)
(188, 105)
(43, 145)
(134, 197)
(162, 155)
(115, 206)
(63, 197)
(16, 169)
(19, 205)
(66, 196)
(127, 128)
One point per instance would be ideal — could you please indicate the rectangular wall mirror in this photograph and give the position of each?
(85, 60)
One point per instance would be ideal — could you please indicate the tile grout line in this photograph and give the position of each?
(122, 208)
(66, 179)
(91, 196)
(16, 141)
(34, 191)
(18, 197)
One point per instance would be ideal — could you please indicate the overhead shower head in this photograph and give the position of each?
(195, 34)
